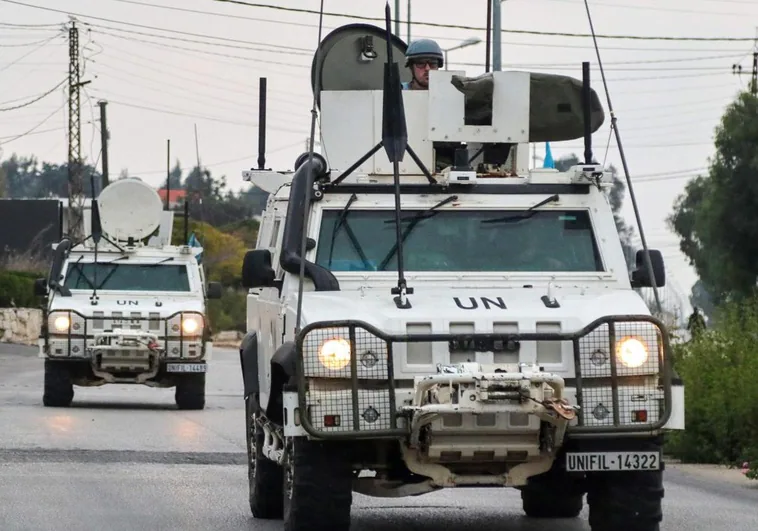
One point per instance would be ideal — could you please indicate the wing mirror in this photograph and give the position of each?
(214, 291)
(640, 276)
(257, 271)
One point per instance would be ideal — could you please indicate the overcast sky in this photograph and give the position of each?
(668, 94)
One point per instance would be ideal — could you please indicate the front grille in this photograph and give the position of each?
(83, 330)
(346, 373)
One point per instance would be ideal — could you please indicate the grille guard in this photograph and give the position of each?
(88, 332)
(663, 361)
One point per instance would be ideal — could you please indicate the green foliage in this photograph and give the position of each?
(222, 253)
(715, 218)
(229, 312)
(718, 367)
(17, 289)
(25, 177)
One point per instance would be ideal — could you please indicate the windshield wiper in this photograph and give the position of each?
(342, 220)
(529, 212)
(113, 270)
(78, 268)
(414, 221)
(156, 264)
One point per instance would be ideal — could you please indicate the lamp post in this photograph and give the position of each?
(497, 34)
(468, 42)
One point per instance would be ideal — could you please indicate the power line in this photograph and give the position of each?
(30, 52)
(38, 98)
(30, 131)
(656, 8)
(377, 19)
(279, 48)
(479, 28)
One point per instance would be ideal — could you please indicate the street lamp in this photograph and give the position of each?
(468, 42)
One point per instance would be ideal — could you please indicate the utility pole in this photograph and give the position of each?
(497, 35)
(397, 18)
(409, 22)
(75, 174)
(737, 69)
(104, 135)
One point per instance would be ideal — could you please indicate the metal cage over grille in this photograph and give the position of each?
(347, 387)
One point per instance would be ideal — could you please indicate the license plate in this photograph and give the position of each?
(612, 461)
(186, 367)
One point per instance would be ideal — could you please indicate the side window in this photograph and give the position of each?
(275, 234)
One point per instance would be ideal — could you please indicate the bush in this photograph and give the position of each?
(222, 253)
(721, 398)
(17, 289)
(229, 312)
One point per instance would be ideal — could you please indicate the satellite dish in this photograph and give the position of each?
(129, 208)
(353, 58)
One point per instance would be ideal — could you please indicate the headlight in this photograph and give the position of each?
(190, 325)
(334, 354)
(632, 352)
(62, 323)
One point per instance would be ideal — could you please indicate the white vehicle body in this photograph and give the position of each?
(129, 309)
(495, 366)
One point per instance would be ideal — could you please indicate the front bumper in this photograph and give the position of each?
(360, 401)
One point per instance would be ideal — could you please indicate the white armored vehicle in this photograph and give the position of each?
(125, 306)
(449, 318)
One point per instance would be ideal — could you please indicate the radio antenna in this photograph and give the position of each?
(309, 191)
(615, 129)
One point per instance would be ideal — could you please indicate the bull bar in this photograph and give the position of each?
(591, 379)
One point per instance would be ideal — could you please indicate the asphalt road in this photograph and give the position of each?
(123, 458)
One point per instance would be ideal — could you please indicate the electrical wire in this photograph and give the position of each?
(38, 98)
(479, 28)
(30, 52)
(30, 131)
(375, 19)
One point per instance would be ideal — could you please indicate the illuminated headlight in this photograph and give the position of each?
(334, 354)
(632, 352)
(190, 325)
(62, 323)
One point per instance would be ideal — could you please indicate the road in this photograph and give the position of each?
(123, 458)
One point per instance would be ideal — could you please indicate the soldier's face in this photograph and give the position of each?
(421, 71)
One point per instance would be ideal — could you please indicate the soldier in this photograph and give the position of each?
(421, 56)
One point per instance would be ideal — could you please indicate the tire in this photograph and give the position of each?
(58, 388)
(265, 477)
(552, 495)
(318, 490)
(626, 500)
(190, 391)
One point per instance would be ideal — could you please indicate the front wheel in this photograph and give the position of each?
(318, 488)
(58, 386)
(190, 391)
(265, 478)
(554, 494)
(626, 500)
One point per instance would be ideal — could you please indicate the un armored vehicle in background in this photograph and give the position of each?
(125, 306)
(416, 324)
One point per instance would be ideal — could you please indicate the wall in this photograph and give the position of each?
(20, 325)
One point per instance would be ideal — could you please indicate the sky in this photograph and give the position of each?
(169, 68)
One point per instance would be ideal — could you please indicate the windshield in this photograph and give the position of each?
(127, 277)
(460, 240)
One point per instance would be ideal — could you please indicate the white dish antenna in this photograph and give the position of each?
(129, 208)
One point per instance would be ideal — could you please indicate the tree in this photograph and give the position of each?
(616, 196)
(715, 216)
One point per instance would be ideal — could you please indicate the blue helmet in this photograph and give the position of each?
(424, 49)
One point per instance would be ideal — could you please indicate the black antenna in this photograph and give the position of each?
(614, 127)
(309, 191)
(97, 234)
(262, 124)
(587, 108)
(395, 141)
